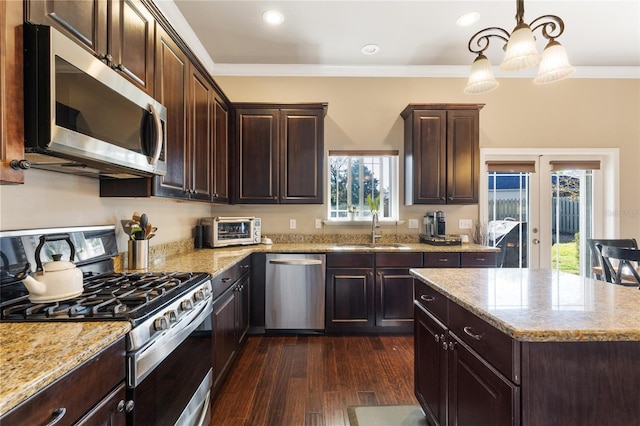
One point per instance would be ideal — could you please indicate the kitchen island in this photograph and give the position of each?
(519, 346)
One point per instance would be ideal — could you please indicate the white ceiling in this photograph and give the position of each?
(416, 38)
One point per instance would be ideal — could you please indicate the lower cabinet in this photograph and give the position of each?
(93, 393)
(369, 292)
(230, 318)
(453, 384)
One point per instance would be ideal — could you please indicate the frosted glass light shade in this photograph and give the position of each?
(521, 52)
(481, 79)
(554, 65)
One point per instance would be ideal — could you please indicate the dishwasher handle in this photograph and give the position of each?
(299, 262)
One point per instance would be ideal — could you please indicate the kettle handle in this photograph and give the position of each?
(53, 237)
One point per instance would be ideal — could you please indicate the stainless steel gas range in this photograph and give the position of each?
(169, 349)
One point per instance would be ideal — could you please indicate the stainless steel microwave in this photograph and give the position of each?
(231, 231)
(83, 117)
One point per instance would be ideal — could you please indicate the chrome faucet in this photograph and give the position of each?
(375, 223)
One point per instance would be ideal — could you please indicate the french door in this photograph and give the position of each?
(541, 209)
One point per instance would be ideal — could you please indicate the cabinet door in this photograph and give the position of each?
(220, 184)
(11, 95)
(224, 335)
(171, 83)
(478, 394)
(428, 182)
(131, 41)
(258, 163)
(430, 372)
(463, 156)
(301, 156)
(108, 412)
(84, 21)
(394, 298)
(350, 299)
(200, 119)
(242, 308)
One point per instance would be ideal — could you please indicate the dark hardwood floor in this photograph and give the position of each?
(311, 380)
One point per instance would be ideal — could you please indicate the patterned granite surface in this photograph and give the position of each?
(214, 261)
(542, 305)
(33, 355)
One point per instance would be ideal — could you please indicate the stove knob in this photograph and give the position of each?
(186, 305)
(160, 324)
(198, 295)
(172, 316)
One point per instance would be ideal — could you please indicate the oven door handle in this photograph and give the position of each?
(142, 362)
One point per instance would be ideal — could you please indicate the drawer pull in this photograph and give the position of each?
(480, 259)
(427, 298)
(58, 414)
(443, 260)
(226, 279)
(470, 333)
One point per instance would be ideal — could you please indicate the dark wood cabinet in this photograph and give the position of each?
(454, 384)
(350, 292)
(369, 292)
(279, 153)
(394, 289)
(199, 159)
(93, 393)
(220, 174)
(442, 153)
(230, 317)
(463, 259)
(119, 32)
(11, 95)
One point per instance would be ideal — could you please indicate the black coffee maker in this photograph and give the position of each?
(435, 224)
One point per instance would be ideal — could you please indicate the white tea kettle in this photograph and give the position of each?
(56, 280)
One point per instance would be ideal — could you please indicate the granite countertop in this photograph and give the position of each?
(542, 305)
(33, 355)
(215, 261)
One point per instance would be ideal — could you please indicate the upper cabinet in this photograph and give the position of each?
(442, 153)
(11, 94)
(119, 32)
(220, 173)
(279, 153)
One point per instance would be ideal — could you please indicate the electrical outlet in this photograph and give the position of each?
(292, 224)
(465, 224)
(318, 223)
(413, 223)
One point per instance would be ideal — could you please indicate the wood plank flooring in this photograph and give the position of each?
(311, 380)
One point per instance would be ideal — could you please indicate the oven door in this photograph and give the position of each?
(178, 389)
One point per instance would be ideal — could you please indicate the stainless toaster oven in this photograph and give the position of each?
(231, 231)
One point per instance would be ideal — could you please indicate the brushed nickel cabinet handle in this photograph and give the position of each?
(57, 414)
(470, 333)
(427, 298)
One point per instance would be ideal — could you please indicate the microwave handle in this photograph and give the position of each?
(159, 138)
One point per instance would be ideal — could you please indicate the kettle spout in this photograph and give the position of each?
(34, 286)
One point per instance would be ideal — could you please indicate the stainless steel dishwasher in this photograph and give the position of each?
(294, 292)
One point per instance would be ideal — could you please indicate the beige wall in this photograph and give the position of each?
(365, 113)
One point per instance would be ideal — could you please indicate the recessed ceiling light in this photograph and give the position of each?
(467, 19)
(370, 49)
(273, 17)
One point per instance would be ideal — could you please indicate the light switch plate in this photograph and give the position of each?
(292, 224)
(413, 223)
(318, 223)
(465, 224)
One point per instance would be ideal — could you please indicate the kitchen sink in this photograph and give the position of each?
(370, 247)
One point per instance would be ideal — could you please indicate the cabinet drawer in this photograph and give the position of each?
(433, 301)
(497, 348)
(225, 279)
(76, 392)
(478, 260)
(441, 260)
(350, 260)
(398, 260)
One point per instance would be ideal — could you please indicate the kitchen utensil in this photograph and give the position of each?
(56, 280)
(144, 220)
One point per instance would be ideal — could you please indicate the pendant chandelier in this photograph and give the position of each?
(520, 52)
